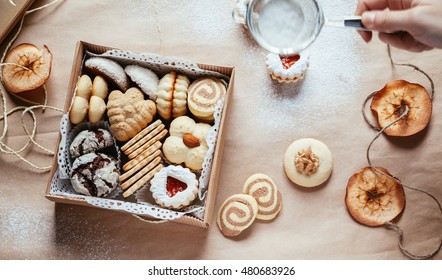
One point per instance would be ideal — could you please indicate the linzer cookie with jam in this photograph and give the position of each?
(287, 69)
(94, 175)
(202, 96)
(174, 187)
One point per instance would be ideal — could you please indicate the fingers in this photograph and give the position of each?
(403, 40)
(368, 5)
(388, 21)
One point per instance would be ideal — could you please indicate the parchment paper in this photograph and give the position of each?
(265, 118)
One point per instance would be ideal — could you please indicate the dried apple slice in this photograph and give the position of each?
(390, 103)
(35, 71)
(372, 198)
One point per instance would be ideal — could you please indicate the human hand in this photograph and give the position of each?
(414, 25)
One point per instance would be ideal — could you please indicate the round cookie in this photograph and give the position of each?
(236, 214)
(174, 187)
(202, 96)
(308, 162)
(94, 175)
(373, 198)
(264, 190)
(288, 69)
(90, 141)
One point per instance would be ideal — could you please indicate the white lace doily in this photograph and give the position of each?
(61, 185)
(161, 65)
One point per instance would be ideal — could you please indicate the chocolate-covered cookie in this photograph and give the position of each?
(89, 141)
(94, 174)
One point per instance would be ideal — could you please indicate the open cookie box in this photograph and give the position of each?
(130, 206)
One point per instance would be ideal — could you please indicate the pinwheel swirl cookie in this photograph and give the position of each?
(202, 96)
(236, 214)
(373, 198)
(288, 69)
(266, 194)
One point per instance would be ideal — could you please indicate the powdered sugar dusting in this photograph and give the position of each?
(331, 79)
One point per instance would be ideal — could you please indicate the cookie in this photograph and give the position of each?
(373, 198)
(203, 95)
(174, 187)
(129, 113)
(287, 69)
(264, 190)
(88, 141)
(172, 96)
(142, 181)
(145, 79)
(109, 69)
(390, 103)
(236, 214)
(94, 175)
(186, 143)
(308, 162)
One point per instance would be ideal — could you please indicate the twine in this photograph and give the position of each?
(4, 148)
(157, 20)
(149, 221)
(395, 227)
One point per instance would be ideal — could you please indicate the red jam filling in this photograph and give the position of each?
(174, 186)
(288, 61)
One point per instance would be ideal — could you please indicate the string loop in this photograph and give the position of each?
(378, 134)
(4, 148)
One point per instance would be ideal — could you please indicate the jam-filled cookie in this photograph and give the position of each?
(287, 69)
(174, 187)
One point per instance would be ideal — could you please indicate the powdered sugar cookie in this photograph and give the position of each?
(236, 214)
(264, 190)
(145, 78)
(288, 69)
(109, 69)
(308, 162)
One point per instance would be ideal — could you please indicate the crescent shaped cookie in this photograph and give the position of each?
(308, 162)
(236, 214)
(373, 198)
(264, 190)
(202, 96)
(109, 69)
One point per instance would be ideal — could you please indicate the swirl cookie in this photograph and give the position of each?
(288, 69)
(236, 214)
(264, 190)
(202, 96)
(308, 162)
(372, 198)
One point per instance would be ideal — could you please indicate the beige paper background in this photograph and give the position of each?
(265, 118)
